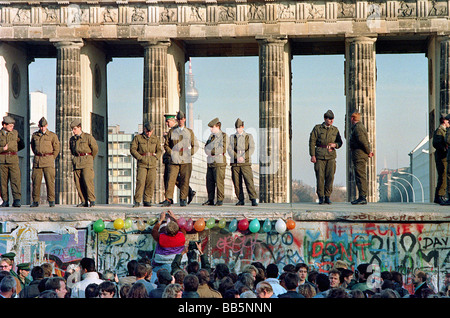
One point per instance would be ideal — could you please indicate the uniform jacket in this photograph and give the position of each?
(180, 145)
(359, 142)
(45, 147)
(146, 150)
(80, 146)
(320, 137)
(15, 143)
(439, 143)
(241, 146)
(215, 149)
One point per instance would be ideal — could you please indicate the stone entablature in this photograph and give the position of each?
(153, 12)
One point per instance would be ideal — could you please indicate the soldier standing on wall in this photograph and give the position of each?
(10, 144)
(440, 158)
(323, 142)
(45, 146)
(146, 149)
(83, 147)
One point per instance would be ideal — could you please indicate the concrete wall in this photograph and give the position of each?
(397, 244)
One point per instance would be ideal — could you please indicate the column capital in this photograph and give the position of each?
(75, 43)
(263, 39)
(161, 42)
(361, 39)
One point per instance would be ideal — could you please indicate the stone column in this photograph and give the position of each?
(360, 83)
(68, 108)
(274, 178)
(444, 78)
(156, 98)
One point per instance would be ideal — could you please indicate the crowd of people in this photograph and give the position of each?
(197, 279)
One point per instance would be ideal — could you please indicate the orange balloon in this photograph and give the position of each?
(199, 225)
(290, 224)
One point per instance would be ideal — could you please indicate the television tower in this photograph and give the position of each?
(191, 97)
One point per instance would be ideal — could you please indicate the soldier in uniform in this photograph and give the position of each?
(215, 149)
(323, 142)
(240, 149)
(83, 147)
(10, 144)
(361, 152)
(180, 144)
(146, 149)
(45, 146)
(171, 121)
(440, 157)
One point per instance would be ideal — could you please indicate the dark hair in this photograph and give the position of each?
(230, 293)
(131, 267)
(338, 293)
(221, 271)
(345, 273)
(141, 270)
(323, 282)
(107, 286)
(91, 291)
(192, 267)
(291, 281)
(53, 283)
(37, 272)
(88, 264)
(203, 276)
(190, 283)
(289, 268)
(272, 271)
(137, 290)
(300, 265)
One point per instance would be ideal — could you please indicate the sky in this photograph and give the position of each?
(228, 89)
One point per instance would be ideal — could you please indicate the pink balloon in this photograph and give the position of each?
(189, 225)
(182, 222)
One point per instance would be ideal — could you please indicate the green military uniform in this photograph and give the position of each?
(45, 146)
(147, 151)
(9, 163)
(24, 281)
(440, 157)
(360, 149)
(242, 146)
(215, 149)
(325, 165)
(180, 144)
(84, 148)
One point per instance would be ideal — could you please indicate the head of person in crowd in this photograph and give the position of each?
(173, 291)
(57, 284)
(92, 291)
(307, 290)
(264, 290)
(137, 290)
(291, 281)
(8, 287)
(335, 278)
(107, 289)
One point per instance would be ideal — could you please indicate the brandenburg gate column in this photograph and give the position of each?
(156, 97)
(274, 120)
(360, 91)
(68, 108)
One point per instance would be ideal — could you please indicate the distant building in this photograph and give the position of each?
(420, 170)
(121, 167)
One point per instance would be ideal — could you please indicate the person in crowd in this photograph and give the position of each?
(88, 276)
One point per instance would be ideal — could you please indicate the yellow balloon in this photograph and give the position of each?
(118, 224)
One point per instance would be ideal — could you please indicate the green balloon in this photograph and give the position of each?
(233, 225)
(267, 226)
(222, 223)
(152, 220)
(210, 223)
(254, 226)
(128, 223)
(99, 226)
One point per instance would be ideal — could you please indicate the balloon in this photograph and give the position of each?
(140, 225)
(233, 225)
(99, 226)
(182, 222)
(210, 223)
(118, 224)
(280, 226)
(290, 224)
(267, 226)
(189, 225)
(152, 220)
(128, 223)
(254, 226)
(243, 225)
(222, 223)
(199, 225)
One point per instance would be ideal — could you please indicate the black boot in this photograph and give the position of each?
(5, 204)
(219, 203)
(51, 204)
(167, 202)
(327, 200)
(254, 203)
(209, 202)
(361, 200)
(191, 195)
(182, 202)
(34, 204)
(321, 200)
(136, 204)
(439, 199)
(16, 203)
(147, 203)
(240, 203)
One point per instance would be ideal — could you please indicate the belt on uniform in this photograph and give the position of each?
(82, 154)
(146, 154)
(8, 153)
(322, 146)
(44, 154)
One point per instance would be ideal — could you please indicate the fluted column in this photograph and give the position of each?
(360, 71)
(68, 108)
(444, 78)
(274, 178)
(156, 98)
